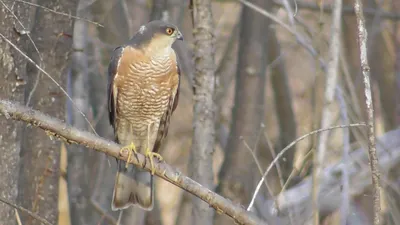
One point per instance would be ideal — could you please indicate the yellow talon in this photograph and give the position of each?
(131, 148)
(151, 155)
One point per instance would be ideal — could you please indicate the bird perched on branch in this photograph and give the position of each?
(143, 91)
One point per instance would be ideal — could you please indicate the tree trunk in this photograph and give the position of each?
(203, 141)
(239, 172)
(283, 105)
(39, 174)
(79, 170)
(12, 86)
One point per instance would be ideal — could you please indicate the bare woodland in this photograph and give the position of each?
(288, 113)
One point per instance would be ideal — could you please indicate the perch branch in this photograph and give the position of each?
(55, 128)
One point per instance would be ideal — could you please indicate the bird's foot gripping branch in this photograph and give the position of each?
(56, 128)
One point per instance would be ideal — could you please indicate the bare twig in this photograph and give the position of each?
(17, 217)
(287, 148)
(345, 206)
(59, 13)
(253, 154)
(23, 27)
(104, 214)
(362, 41)
(300, 39)
(327, 114)
(55, 128)
(34, 215)
(346, 9)
(298, 198)
(50, 77)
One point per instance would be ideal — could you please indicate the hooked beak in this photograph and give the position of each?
(179, 36)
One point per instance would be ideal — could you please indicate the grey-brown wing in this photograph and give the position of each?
(112, 71)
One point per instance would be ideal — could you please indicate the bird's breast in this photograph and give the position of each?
(145, 89)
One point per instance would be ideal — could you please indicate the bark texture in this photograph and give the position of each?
(203, 141)
(283, 104)
(12, 86)
(239, 172)
(39, 173)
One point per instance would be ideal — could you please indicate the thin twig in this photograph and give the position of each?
(33, 215)
(17, 217)
(49, 76)
(287, 148)
(345, 206)
(299, 38)
(346, 9)
(104, 214)
(362, 41)
(327, 114)
(55, 128)
(298, 198)
(59, 13)
(258, 165)
(23, 27)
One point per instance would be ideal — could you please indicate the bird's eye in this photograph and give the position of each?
(169, 30)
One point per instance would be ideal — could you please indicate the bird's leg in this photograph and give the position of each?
(131, 148)
(149, 153)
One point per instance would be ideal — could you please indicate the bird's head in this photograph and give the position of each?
(157, 35)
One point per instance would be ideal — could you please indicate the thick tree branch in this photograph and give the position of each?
(55, 128)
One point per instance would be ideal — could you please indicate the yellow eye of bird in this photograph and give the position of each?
(169, 31)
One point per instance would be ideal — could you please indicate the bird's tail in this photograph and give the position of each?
(133, 186)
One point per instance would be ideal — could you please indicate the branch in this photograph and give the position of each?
(55, 128)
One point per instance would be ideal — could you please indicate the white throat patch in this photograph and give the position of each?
(142, 29)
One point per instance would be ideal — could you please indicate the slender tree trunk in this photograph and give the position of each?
(239, 172)
(12, 86)
(39, 174)
(158, 9)
(105, 167)
(203, 141)
(79, 170)
(283, 105)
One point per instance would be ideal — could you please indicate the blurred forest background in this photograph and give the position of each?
(272, 61)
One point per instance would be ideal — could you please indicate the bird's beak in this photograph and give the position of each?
(179, 36)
